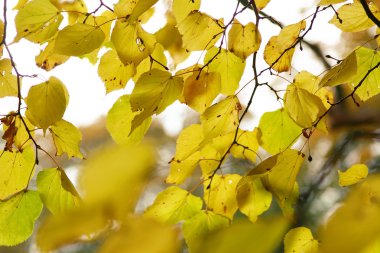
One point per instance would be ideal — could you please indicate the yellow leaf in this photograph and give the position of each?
(17, 217)
(200, 31)
(210, 159)
(75, 9)
(132, 43)
(260, 4)
(278, 131)
(21, 138)
(229, 67)
(16, 169)
(354, 18)
(37, 21)
(300, 240)
(279, 51)
(154, 91)
(353, 175)
(252, 198)
(8, 81)
(202, 224)
(182, 8)
(200, 92)
(173, 205)
(46, 103)
(132, 9)
(119, 123)
(247, 145)
(56, 191)
(243, 40)
(78, 39)
(113, 72)
(328, 2)
(48, 59)
(130, 238)
(221, 118)
(302, 106)
(66, 138)
(220, 197)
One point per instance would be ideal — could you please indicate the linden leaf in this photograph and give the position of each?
(252, 198)
(302, 106)
(201, 225)
(247, 144)
(17, 217)
(353, 17)
(37, 21)
(8, 81)
(132, 9)
(200, 91)
(78, 39)
(119, 123)
(173, 205)
(278, 131)
(260, 4)
(229, 67)
(147, 64)
(210, 158)
(369, 82)
(328, 2)
(182, 8)
(57, 192)
(220, 194)
(154, 91)
(353, 175)
(132, 43)
(46, 103)
(113, 72)
(20, 137)
(75, 10)
(16, 169)
(48, 59)
(187, 154)
(243, 40)
(300, 240)
(200, 31)
(279, 51)
(66, 138)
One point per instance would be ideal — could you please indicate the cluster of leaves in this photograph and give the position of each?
(112, 181)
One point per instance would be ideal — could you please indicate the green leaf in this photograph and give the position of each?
(300, 240)
(119, 123)
(132, 9)
(278, 131)
(243, 40)
(66, 138)
(8, 81)
(353, 175)
(173, 205)
(46, 103)
(182, 8)
(229, 66)
(16, 169)
(57, 192)
(154, 91)
(17, 217)
(78, 39)
(37, 21)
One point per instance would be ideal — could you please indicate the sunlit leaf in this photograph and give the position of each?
(16, 169)
(210, 158)
(20, 138)
(46, 103)
(66, 138)
(200, 31)
(132, 9)
(182, 8)
(243, 40)
(8, 81)
(220, 197)
(37, 21)
(300, 240)
(279, 51)
(113, 72)
(229, 67)
(247, 144)
(148, 64)
(57, 192)
(17, 217)
(48, 59)
(173, 205)
(353, 175)
(354, 18)
(202, 224)
(154, 91)
(119, 123)
(327, 2)
(132, 43)
(78, 39)
(252, 198)
(260, 4)
(75, 9)
(278, 131)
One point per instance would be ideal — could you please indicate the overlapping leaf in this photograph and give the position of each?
(132, 9)
(182, 8)
(243, 40)
(48, 59)
(247, 144)
(148, 64)
(8, 81)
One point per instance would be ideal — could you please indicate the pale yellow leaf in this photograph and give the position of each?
(182, 8)
(48, 59)
(300, 240)
(132, 9)
(243, 40)
(8, 81)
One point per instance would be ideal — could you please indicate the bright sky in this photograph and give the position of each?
(88, 100)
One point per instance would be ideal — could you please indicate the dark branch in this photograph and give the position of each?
(369, 13)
